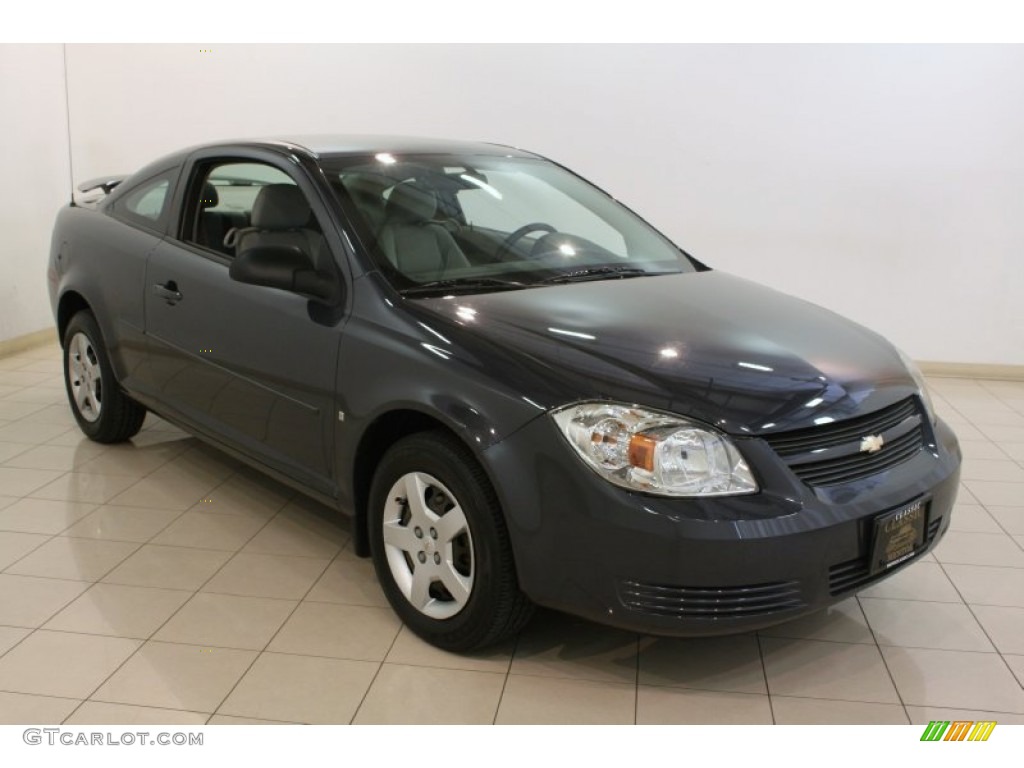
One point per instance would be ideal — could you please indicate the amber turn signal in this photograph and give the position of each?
(641, 452)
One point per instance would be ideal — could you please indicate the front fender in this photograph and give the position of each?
(391, 360)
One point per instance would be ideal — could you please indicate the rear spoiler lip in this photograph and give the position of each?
(106, 183)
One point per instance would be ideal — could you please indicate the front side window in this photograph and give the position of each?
(487, 222)
(236, 205)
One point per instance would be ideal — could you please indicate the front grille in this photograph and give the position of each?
(856, 573)
(848, 468)
(901, 424)
(839, 432)
(711, 602)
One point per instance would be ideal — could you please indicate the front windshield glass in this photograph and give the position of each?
(480, 222)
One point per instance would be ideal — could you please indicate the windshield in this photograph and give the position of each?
(482, 223)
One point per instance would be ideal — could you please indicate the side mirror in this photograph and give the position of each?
(284, 267)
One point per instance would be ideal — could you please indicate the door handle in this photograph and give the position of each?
(168, 291)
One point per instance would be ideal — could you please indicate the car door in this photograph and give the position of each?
(248, 365)
(134, 225)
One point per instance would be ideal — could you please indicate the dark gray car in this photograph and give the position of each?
(520, 392)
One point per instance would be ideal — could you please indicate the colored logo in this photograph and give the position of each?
(958, 730)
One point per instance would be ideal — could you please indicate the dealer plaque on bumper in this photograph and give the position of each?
(898, 536)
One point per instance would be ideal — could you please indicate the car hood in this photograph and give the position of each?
(707, 345)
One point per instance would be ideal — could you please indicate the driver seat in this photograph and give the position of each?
(411, 241)
(281, 216)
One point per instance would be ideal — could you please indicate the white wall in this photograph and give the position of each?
(36, 180)
(883, 182)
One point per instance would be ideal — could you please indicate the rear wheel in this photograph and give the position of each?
(103, 412)
(440, 546)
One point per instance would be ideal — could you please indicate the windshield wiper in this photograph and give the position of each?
(597, 273)
(463, 284)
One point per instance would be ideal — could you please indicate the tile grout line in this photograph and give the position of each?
(380, 668)
(764, 676)
(298, 604)
(33, 630)
(20, 453)
(508, 674)
(1002, 657)
(95, 507)
(5, 571)
(875, 641)
(986, 506)
(679, 686)
(107, 501)
(143, 643)
(1002, 528)
(885, 662)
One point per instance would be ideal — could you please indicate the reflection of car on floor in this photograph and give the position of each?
(520, 391)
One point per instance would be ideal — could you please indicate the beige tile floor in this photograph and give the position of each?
(161, 582)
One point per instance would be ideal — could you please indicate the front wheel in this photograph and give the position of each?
(440, 546)
(103, 412)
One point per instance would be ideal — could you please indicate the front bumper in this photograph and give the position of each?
(702, 566)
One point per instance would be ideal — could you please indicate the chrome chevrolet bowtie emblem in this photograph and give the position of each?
(872, 443)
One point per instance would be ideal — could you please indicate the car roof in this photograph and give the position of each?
(320, 145)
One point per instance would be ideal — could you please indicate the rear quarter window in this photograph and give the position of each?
(146, 204)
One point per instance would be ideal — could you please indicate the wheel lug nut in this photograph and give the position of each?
(418, 531)
(437, 558)
(433, 533)
(422, 557)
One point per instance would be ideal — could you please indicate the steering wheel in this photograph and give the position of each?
(519, 234)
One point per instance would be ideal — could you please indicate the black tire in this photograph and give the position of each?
(108, 415)
(495, 607)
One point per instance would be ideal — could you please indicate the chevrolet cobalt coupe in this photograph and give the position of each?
(520, 392)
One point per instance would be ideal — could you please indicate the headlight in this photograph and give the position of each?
(654, 452)
(922, 385)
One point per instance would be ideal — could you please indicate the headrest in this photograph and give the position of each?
(408, 202)
(209, 198)
(366, 185)
(280, 206)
